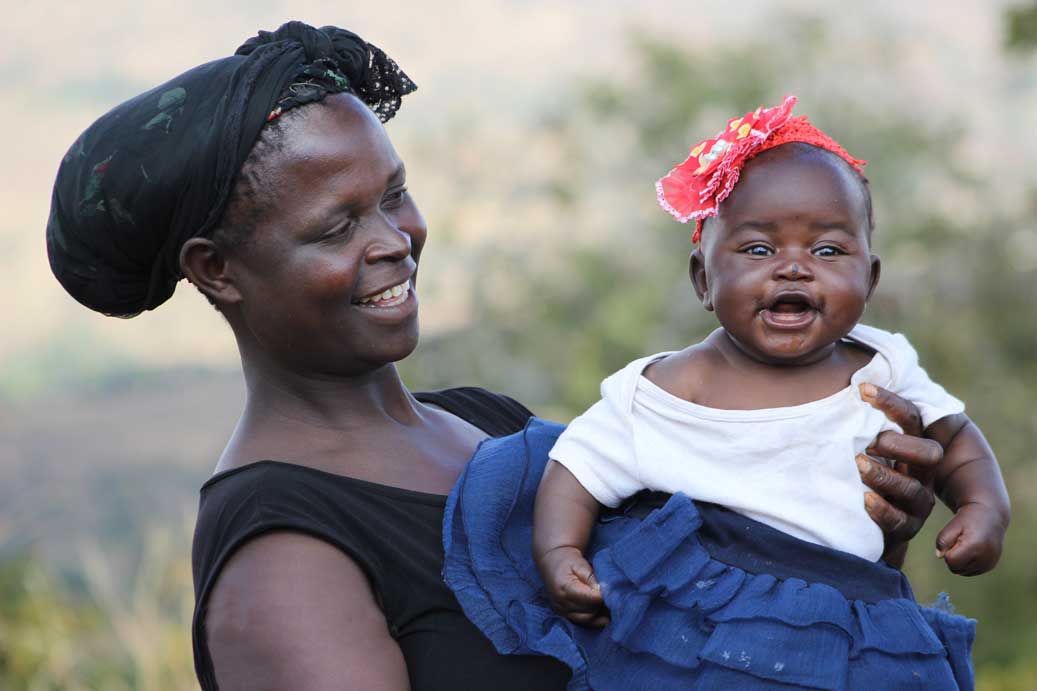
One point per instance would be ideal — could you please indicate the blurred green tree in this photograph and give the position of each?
(1021, 27)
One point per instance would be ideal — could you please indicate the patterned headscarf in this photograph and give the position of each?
(158, 169)
(695, 188)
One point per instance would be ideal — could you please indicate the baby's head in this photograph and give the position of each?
(785, 256)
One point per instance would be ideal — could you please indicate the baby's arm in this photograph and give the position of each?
(969, 482)
(563, 518)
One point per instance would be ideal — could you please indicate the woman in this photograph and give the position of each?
(268, 181)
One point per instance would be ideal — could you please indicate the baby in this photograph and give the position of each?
(765, 416)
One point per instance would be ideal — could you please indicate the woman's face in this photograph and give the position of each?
(327, 279)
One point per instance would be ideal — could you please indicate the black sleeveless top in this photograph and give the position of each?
(393, 535)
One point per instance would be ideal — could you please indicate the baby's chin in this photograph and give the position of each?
(787, 349)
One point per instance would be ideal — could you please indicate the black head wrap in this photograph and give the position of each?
(158, 169)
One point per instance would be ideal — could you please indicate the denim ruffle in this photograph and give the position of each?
(680, 618)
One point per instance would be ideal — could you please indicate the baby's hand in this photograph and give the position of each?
(971, 542)
(573, 590)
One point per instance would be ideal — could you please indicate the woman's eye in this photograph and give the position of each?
(828, 251)
(395, 198)
(338, 232)
(758, 251)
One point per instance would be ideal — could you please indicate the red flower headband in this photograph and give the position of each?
(695, 188)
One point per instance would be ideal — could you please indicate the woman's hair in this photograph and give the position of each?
(251, 195)
(186, 159)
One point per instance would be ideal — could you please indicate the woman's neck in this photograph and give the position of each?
(311, 417)
(340, 402)
(367, 426)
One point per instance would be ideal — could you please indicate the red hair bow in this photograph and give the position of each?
(695, 188)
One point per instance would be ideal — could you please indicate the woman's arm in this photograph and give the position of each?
(563, 518)
(290, 612)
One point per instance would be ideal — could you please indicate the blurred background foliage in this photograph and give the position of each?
(962, 287)
(596, 286)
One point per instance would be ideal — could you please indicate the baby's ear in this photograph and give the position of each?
(697, 271)
(876, 270)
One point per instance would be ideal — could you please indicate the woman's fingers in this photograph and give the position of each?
(918, 453)
(894, 407)
(896, 525)
(902, 492)
(899, 504)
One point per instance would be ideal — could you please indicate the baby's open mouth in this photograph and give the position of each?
(790, 311)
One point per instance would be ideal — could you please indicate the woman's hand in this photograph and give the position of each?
(902, 496)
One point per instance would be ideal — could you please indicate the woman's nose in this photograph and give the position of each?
(392, 244)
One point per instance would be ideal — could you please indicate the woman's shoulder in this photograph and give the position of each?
(494, 413)
(237, 506)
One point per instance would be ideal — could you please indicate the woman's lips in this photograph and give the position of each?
(391, 311)
(390, 297)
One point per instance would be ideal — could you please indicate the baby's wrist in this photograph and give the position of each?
(555, 553)
(991, 510)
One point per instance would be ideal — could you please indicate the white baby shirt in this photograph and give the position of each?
(792, 468)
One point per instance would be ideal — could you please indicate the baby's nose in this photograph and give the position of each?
(793, 271)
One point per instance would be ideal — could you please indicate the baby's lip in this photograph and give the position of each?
(789, 310)
(791, 301)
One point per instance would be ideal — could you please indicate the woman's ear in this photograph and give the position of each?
(697, 271)
(205, 265)
(873, 281)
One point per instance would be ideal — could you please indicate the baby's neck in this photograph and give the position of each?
(717, 373)
(743, 358)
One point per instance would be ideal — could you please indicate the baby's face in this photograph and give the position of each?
(786, 264)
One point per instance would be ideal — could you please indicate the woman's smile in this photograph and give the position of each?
(390, 297)
(395, 304)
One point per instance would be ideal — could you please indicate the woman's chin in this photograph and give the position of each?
(403, 350)
(395, 346)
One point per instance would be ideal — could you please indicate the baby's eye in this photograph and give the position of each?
(758, 251)
(828, 251)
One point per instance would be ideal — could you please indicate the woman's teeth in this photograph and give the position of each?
(390, 297)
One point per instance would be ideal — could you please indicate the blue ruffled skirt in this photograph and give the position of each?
(700, 597)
